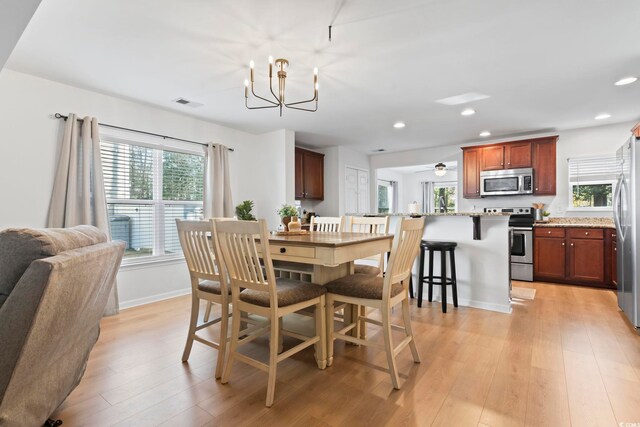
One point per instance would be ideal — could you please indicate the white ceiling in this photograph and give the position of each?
(546, 64)
(451, 166)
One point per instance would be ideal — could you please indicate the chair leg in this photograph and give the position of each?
(233, 346)
(273, 361)
(207, 312)
(330, 324)
(388, 345)
(222, 349)
(280, 335)
(443, 275)
(193, 322)
(430, 275)
(454, 280)
(406, 314)
(420, 277)
(321, 332)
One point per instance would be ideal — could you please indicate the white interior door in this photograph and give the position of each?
(351, 191)
(363, 191)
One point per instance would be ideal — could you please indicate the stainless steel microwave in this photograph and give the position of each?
(506, 182)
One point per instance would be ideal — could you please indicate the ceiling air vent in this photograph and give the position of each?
(379, 150)
(191, 104)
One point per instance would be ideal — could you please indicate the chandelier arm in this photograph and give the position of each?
(303, 109)
(259, 97)
(272, 92)
(246, 104)
(315, 98)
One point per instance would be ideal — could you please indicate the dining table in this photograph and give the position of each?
(321, 257)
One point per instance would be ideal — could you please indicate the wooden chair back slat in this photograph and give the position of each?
(371, 225)
(197, 245)
(406, 245)
(327, 224)
(244, 258)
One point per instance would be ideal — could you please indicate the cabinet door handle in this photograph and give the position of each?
(283, 250)
(562, 243)
(615, 249)
(572, 244)
(586, 233)
(548, 232)
(536, 188)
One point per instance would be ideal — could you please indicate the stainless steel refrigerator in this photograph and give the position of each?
(628, 228)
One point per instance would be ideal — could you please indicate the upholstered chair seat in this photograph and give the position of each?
(289, 292)
(361, 286)
(212, 286)
(367, 269)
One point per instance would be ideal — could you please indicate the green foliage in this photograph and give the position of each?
(141, 172)
(287, 210)
(383, 199)
(243, 211)
(592, 195)
(445, 197)
(182, 176)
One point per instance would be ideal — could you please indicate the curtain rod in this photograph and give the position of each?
(61, 116)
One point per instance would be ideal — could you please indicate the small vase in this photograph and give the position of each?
(286, 220)
(294, 225)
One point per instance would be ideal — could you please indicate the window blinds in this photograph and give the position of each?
(146, 190)
(592, 169)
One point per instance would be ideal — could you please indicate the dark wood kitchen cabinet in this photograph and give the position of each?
(471, 172)
(309, 174)
(549, 253)
(572, 255)
(538, 153)
(492, 157)
(544, 166)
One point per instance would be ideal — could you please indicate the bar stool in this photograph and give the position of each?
(442, 280)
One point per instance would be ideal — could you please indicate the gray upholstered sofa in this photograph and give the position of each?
(54, 285)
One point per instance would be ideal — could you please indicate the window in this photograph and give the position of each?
(440, 197)
(387, 196)
(591, 182)
(147, 189)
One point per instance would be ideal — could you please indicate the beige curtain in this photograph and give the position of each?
(78, 190)
(217, 187)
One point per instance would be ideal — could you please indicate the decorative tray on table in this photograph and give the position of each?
(292, 233)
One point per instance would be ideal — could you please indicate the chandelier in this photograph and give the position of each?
(278, 100)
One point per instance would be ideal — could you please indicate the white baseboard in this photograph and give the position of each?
(154, 298)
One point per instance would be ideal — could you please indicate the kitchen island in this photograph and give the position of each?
(482, 265)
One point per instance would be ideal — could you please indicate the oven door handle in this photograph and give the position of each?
(522, 228)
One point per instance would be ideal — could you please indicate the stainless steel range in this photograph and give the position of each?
(521, 227)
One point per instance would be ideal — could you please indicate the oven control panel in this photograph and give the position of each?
(516, 211)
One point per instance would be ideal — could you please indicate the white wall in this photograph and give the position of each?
(571, 143)
(14, 18)
(412, 191)
(261, 166)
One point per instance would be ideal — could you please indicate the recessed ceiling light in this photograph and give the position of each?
(602, 116)
(626, 81)
(468, 112)
(399, 125)
(485, 133)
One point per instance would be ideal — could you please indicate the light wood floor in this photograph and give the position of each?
(566, 358)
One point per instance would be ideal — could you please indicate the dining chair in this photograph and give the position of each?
(327, 223)
(371, 225)
(206, 284)
(254, 289)
(381, 293)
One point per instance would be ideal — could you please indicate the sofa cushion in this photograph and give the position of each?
(289, 292)
(361, 286)
(19, 247)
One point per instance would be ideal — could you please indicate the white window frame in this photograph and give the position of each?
(157, 203)
(571, 184)
(393, 185)
(441, 184)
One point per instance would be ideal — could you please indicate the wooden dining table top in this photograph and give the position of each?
(327, 239)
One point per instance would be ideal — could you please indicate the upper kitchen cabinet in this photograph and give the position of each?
(309, 174)
(544, 166)
(539, 154)
(510, 155)
(471, 172)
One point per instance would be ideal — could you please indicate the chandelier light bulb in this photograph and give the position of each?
(270, 59)
(315, 71)
(251, 64)
(317, 86)
(246, 83)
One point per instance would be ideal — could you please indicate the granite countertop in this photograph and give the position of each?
(577, 222)
(472, 214)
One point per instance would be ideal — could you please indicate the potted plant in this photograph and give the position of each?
(243, 211)
(286, 212)
(545, 215)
